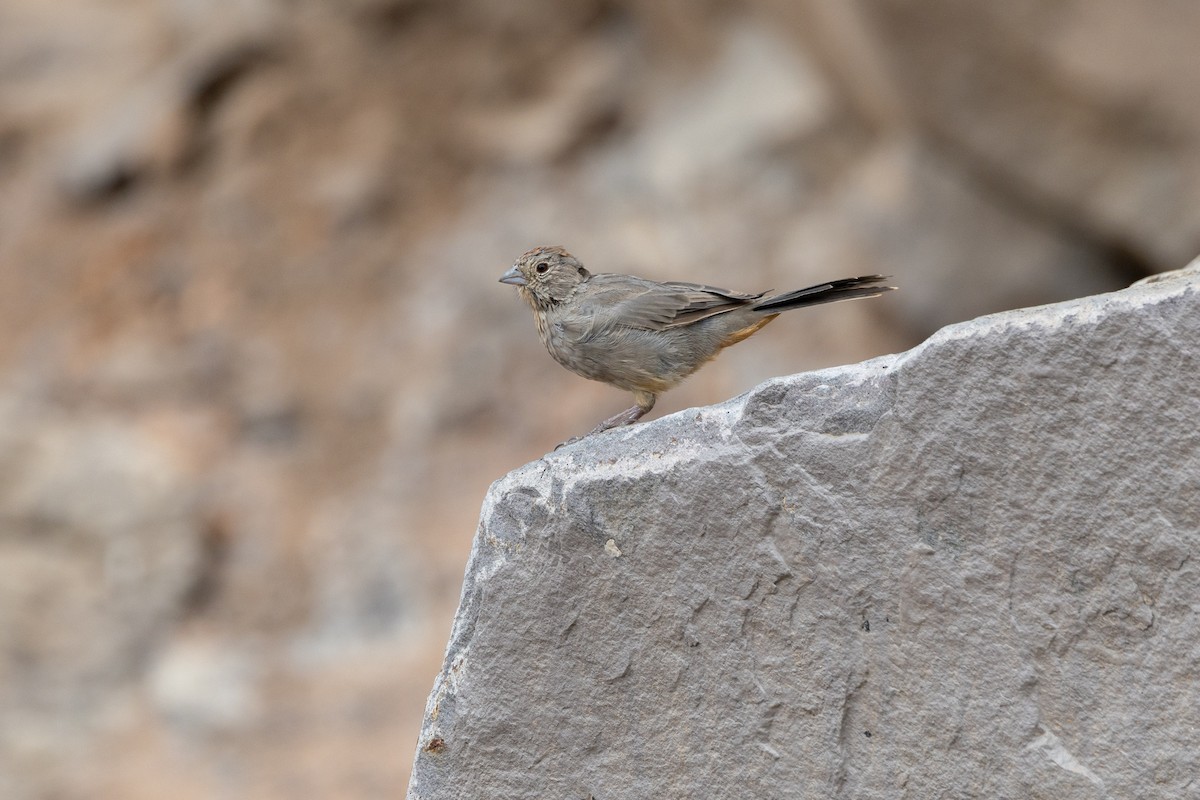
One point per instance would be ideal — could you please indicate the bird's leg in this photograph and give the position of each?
(626, 417)
(644, 402)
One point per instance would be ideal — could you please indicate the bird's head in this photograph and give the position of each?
(546, 276)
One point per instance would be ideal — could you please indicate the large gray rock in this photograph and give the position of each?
(966, 570)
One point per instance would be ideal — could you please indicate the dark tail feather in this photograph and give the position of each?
(831, 292)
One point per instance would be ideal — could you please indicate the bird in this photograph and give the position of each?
(644, 336)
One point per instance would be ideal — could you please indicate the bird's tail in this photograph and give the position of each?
(831, 292)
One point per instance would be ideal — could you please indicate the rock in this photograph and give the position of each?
(867, 224)
(971, 564)
(151, 127)
(1083, 111)
(713, 126)
(581, 97)
(98, 552)
(249, 310)
(205, 685)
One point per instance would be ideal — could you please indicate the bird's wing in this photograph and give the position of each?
(626, 301)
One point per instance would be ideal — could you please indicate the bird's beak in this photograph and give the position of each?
(514, 277)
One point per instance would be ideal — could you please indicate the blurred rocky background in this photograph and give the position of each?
(256, 372)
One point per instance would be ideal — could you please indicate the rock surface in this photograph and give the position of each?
(965, 570)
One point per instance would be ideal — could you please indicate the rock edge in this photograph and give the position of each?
(964, 568)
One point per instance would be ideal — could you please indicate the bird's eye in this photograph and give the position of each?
(541, 267)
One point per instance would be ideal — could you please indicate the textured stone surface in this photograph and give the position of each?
(964, 571)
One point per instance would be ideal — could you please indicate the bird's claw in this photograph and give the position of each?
(572, 440)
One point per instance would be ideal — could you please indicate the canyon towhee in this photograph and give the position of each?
(644, 336)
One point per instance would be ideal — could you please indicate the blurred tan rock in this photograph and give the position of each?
(1082, 111)
(99, 548)
(579, 98)
(126, 133)
(204, 684)
(759, 95)
(906, 207)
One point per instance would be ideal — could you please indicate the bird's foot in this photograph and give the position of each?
(626, 417)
